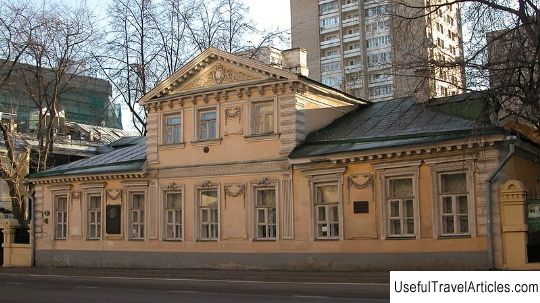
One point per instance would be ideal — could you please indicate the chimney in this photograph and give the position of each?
(295, 61)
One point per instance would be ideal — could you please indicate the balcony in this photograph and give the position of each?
(351, 37)
(351, 21)
(325, 1)
(352, 52)
(349, 7)
(353, 68)
(331, 58)
(329, 29)
(327, 12)
(330, 43)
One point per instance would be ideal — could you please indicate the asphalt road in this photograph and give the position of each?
(33, 288)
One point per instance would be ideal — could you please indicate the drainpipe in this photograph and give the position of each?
(489, 182)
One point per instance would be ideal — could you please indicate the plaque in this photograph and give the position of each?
(361, 207)
(113, 224)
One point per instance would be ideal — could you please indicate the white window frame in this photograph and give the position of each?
(454, 198)
(386, 171)
(459, 164)
(99, 225)
(402, 206)
(65, 216)
(196, 118)
(132, 225)
(198, 212)
(251, 119)
(182, 224)
(327, 209)
(320, 177)
(255, 188)
(165, 127)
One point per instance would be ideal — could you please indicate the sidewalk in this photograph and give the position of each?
(206, 274)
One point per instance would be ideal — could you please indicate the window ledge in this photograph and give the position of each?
(172, 146)
(400, 238)
(172, 240)
(264, 240)
(262, 137)
(327, 239)
(207, 240)
(206, 142)
(460, 236)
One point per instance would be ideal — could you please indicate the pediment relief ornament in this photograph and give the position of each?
(113, 194)
(217, 75)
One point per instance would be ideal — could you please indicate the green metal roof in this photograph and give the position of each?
(397, 122)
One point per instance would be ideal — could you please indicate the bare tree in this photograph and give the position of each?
(150, 40)
(131, 58)
(501, 45)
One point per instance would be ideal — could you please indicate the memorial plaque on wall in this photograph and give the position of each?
(113, 220)
(361, 207)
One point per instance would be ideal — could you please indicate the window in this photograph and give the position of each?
(332, 21)
(60, 217)
(400, 207)
(326, 7)
(207, 128)
(454, 207)
(94, 217)
(332, 66)
(262, 120)
(136, 216)
(208, 214)
(327, 211)
(265, 213)
(173, 130)
(173, 216)
(377, 10)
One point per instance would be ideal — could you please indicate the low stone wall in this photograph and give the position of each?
(264, 261)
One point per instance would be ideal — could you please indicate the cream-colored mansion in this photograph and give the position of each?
(251, 166)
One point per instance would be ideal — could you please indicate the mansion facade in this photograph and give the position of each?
(248, 166)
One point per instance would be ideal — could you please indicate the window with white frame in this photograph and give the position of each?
(136, 215)
(454, 204)
(173, 130)
(94, 217)
(173, 216)
(60, 217)
(326, 208)
(207, 124)
(265, 213)
(262, 118)
(400, 207)
(208, 214)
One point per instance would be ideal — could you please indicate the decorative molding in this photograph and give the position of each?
(172, 186)
(225, 169)
(229, 192)
(75, 194)
(351, 184)
(368, 183)
(113, 194)
(234, 112)
(207, 185)
(63, 179)
(264, 182)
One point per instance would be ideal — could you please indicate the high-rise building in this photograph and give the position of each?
(367, 48)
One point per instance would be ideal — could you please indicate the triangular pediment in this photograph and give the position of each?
(214, 69)
(219, 73)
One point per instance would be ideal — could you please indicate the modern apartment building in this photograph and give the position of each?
(367, 48)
